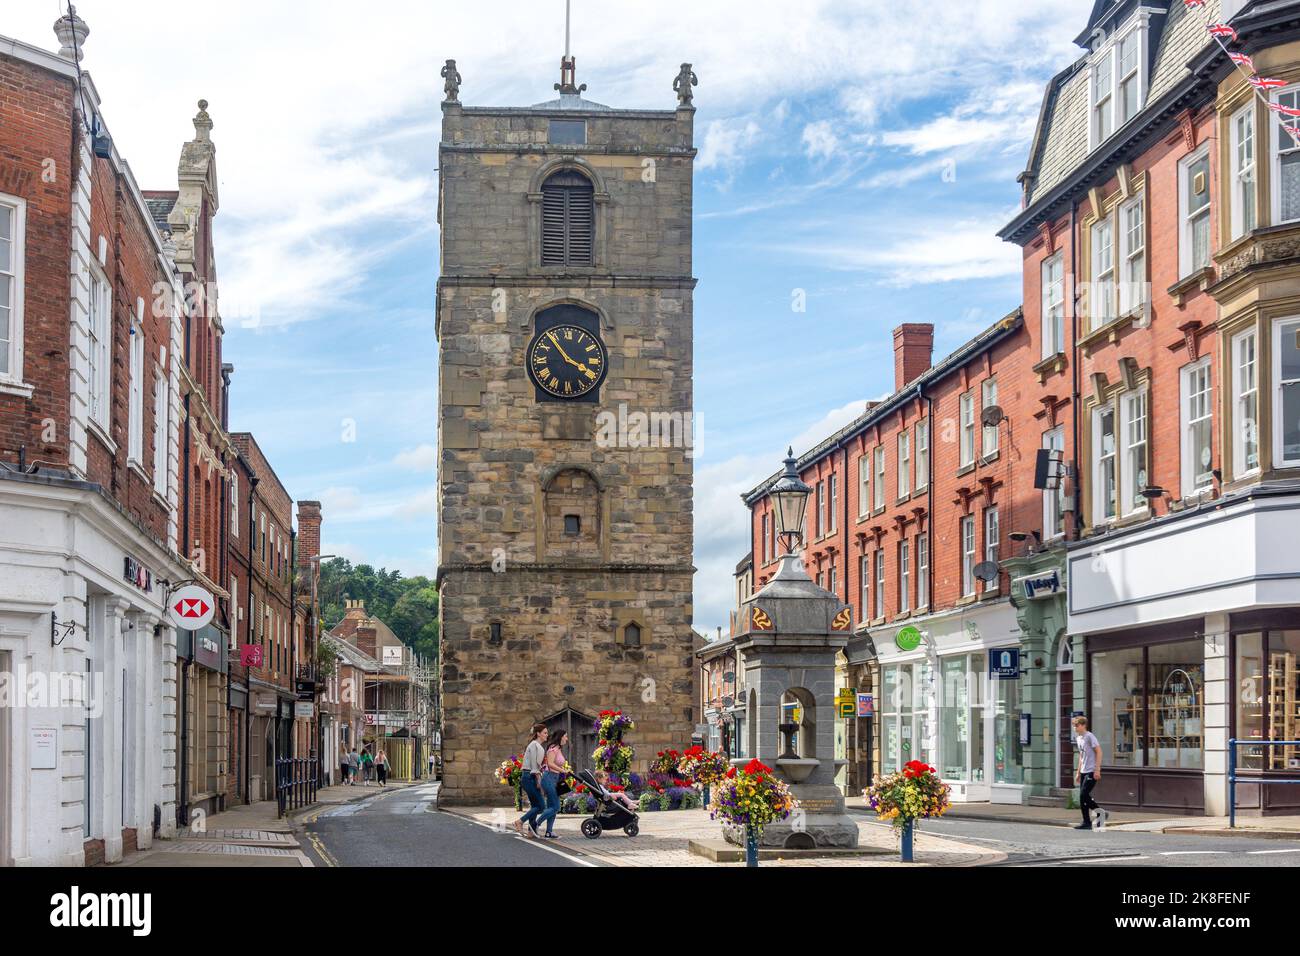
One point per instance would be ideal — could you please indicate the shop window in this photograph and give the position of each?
(1267, 667)
(961, 718)
(1118, 707)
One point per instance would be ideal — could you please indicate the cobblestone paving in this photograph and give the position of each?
(665, 837)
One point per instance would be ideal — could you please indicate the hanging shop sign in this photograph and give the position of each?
(1004, 663)
(191, 607)
(1039, 586)
(304, 710)
(908, 638)
(250, 655)
(866, 705)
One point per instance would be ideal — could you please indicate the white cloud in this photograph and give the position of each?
(725, 143)
(820, 141)
(420, 458)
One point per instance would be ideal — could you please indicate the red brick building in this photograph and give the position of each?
(90, 379)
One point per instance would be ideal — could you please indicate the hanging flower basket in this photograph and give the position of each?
(913, 793)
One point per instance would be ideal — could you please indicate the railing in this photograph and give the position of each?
(1262, 781)
(295, 783)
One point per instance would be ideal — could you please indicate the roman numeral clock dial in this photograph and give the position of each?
(566, 362)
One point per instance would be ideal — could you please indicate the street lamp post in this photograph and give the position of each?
(790, 495)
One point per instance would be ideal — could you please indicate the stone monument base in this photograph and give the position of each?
(820, 821)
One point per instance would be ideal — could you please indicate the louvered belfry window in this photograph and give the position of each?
(568, 220)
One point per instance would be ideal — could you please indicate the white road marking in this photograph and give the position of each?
(540, 844)
(1193, 852)
(1104, 859)
(1261, 852)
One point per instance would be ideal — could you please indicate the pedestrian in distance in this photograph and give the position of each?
(531, 781)
(1086, 775)
(367, 767)
(553, 771)
(344, 766)
(381, 768)
(354, 766)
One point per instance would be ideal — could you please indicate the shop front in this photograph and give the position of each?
(1191, 634)
(950, 697)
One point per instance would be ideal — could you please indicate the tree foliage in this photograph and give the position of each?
(407, 605)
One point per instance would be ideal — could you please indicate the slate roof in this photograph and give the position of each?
(160, 206)
(1061, 140)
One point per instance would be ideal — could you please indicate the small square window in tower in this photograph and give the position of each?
(632, 635)
(572, 507)
(568, 219)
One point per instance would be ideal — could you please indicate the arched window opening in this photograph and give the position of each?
(568, 219)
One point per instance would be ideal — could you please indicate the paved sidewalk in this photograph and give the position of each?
(248, 835)
(1280, 827)
(665, 837)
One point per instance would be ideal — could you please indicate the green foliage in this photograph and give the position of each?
(408, 605)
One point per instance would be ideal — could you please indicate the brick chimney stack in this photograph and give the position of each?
(913, 351)
(368, 638)
(309, 520)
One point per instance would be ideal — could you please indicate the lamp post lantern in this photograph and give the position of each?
(790, 496)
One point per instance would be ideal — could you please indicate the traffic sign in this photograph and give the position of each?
(191, 608)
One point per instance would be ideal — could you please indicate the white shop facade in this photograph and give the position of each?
(940, 703)
(87, 676)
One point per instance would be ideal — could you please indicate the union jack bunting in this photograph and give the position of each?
(1242, 61)
(1222, 30)
(1192, 4)
(1283, 110)
(1265, 83)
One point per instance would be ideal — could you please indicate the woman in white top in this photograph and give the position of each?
(534, 758)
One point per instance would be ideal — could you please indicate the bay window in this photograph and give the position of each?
(1134, 470)
(1054, 305)
(1194, 212)
(1197, 422)
(1245, 404)
(1243, 171)
(1286, 410)
(1286, 160)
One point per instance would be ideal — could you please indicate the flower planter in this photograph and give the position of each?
(906, 841)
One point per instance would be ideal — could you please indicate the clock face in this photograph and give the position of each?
(566, 361)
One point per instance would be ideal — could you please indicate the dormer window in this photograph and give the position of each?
(1118, 81)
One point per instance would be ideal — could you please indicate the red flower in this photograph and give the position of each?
(731, 773)
(757, 767)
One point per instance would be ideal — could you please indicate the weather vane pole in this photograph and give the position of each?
(568, 67)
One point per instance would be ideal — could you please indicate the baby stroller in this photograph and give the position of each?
(610, 814)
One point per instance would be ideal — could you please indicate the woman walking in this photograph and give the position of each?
(531, 780)
(554, 770)
(344, 766)
(367, 766)
(381, 768)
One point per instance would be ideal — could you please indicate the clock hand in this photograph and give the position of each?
(578, 365)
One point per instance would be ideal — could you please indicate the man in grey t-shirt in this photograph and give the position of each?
(1086, 775)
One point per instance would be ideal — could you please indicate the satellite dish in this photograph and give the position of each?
(992, 416)
(728, 702)
(987, 571)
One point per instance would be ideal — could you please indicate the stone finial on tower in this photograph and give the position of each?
(569, 77)
(203, 123)
(71, 31)
(452, 85)
(686, 79)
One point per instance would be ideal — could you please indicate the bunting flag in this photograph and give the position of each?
(1283, 110)
(1243, 61)
(1222, 30)
(1192, 4)
(1266, 83)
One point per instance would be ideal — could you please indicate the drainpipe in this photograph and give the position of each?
(929, 494)
(1076, 491)
(248, 675)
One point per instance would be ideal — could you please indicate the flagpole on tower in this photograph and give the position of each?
(568, 66)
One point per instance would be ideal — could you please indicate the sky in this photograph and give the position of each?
(856, 158)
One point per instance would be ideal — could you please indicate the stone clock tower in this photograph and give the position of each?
(564, 426)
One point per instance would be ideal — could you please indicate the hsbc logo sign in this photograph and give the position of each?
(191, 608)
